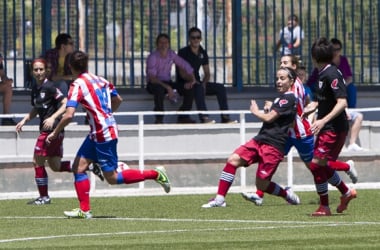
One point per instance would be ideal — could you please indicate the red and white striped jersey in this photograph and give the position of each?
(94, 94)
(301, 127)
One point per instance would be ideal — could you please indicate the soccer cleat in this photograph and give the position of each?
(292, 198)
(214, 203)
(344, 200)
(40, 201)
(78, 213)
(97, 170)
(163, 178)
(253, 197)
(322, 211)
(352, 173)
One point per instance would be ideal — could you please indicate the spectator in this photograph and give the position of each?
(49, 104)
(6, 89)
(58, 62)
(290, 38)
(100, 99)
(267, 147)
(158, 71)
(195, 54)
(355, 118)
(330, 128)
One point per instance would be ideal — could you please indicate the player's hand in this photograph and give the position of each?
(317, 126)
(48, 123)
(50, 137)
(19, 126)
(254, 108)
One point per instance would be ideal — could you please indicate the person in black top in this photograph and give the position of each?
(197, 57)
(330, 127)
(267, 147)
(49, 104)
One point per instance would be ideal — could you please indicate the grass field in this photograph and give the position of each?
(179, 222)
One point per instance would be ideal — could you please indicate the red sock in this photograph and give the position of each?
(41, 179)
(339, 165)
(83, 192)
(226, 179)
(260, 193)
(275, 189)
(134, 175)
(65, 166)
(320, 180)
(335, 180)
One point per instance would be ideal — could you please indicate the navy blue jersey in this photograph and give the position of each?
(46, 98)
(276, 133)
(330, 87)
(195, 60)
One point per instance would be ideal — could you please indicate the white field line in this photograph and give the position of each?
(275, 225)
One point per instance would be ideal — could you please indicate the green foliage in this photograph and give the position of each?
(178, 222)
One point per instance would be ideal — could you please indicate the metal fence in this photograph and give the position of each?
(238, 35)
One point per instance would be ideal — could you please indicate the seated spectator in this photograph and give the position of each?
(355, 118)
(58, 62)
(158, 70)
(6, 88)
(195, 54)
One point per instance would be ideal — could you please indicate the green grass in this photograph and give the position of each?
(178, 222)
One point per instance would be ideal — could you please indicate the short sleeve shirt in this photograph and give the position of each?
(195, 60)
(46, 98)
(276, 132)
(330, 87)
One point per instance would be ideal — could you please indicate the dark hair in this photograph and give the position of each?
(293, 59)
(194, 29)
(336, 41)
(322, 50)
(62, 38)
(293, 17)
(292, 74)
(79, 61)
(161, 35)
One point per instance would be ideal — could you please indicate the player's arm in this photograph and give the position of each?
(265, 117)
(66, 119)
(115, 102)
(33, 113)
(340, 106)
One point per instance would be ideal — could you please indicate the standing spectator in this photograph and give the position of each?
(267, 147)
(58, 62)
(330, 127)
(290, 38)
(158, 70)
(6, 88)
(99, 98)
(355, 118)
(49, 104)
(195, 54)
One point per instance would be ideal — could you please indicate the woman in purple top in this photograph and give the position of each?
(158, 70)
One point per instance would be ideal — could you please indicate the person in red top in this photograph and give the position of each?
(100, 99)
(267, 147)
(330, 127)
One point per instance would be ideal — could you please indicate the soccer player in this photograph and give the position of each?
(330, 127)
(300, 135)
(267, 147)
(49, 104)
(99, 98)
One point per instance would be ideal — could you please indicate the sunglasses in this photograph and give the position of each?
(195, 37)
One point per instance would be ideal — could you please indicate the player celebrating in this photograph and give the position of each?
(99, 98)
(267, 147)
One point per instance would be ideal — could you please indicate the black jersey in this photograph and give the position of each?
(277, 132)
(195, 60)
(330, 87)
(46, 98)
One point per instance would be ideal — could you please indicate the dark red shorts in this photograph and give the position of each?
(267, 156)
(328, 145)
(55, 148)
